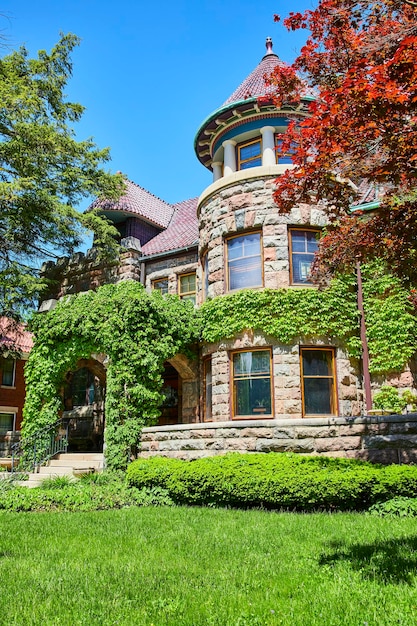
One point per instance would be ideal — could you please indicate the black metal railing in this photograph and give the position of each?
(31, 452)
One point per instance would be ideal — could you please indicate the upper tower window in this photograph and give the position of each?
(303, 246)
(244, 261)
(282, 158)
(249, 154)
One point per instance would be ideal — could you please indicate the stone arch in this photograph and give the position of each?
(189, 391)
(85, 412)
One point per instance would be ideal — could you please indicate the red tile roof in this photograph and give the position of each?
(140, 202)
(182, 230)
(14, 335)
(254, 85)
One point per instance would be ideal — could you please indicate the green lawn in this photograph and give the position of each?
(192, 567)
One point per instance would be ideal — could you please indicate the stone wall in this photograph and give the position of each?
(82, 272)
(170, 267)
(383, 439)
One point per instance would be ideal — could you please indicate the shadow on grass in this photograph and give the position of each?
(393, 561)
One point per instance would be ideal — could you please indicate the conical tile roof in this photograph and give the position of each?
(254, 85)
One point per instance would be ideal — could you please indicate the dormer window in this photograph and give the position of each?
(249, 154)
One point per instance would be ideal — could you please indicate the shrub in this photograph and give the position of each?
(110, 493)
(399, 507)
(275, 481)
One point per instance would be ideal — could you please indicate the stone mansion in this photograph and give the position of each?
(251, 392)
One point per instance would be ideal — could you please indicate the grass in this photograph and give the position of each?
(204, 567)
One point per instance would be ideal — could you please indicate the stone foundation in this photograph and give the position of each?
(381, 439)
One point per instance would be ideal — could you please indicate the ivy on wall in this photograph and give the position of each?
(136, 331)
(296, 314)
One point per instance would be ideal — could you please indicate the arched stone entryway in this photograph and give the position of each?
(84, 397)
(181, 392)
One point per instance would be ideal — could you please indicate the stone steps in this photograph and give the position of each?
(66, 464)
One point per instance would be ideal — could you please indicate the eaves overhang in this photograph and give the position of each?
(218, 121)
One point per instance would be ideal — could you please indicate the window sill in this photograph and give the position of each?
(8, 387)
(256, 416)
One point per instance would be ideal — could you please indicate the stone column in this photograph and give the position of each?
(229, 157)
(268, 145)
(217, 170)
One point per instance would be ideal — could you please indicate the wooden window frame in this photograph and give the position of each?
(159, 280)
(233, 392)
(206, 362)
(186, 294)
(205, 273)
(290, 250)
(334, 401)
(13, 383)
(226, 255)
(244, 144)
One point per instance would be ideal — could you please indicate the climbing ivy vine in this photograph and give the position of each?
(136, 331)
(291, 315)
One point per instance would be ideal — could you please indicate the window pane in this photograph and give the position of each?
(160, 285)
(6, 422)
(244, 261)
(317, 363)
(298, 241)
(206, 275)
(250, 151)
(312, 243)
(253, 396)
(235, 248)
(301, 267)
(187, 283)
(246, 363)
(318, 393)
(7, 366)
(252, 382)
(252, 163)
(245, 273)
(303, 246)
(207, 390)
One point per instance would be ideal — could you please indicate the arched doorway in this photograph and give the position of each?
(172, 391)
(84, 395)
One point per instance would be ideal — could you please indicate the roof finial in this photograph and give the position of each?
(269, 45)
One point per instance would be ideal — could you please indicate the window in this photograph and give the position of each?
(244, 264)
(303, 245)
(283, 158)
(318, 381)
(252, 383)
(249, 154)
(84, 389)
(161, 284)
(208, 386)
(7, 422)
(186, 287)
(205, 276)
(8, 371)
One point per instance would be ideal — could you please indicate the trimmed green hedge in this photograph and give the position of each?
(275, 481)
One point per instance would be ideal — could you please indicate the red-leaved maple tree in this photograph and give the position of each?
(360, 58)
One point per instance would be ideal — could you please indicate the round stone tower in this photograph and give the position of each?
(244, 243)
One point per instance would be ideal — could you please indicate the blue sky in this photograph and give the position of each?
(149, 73)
